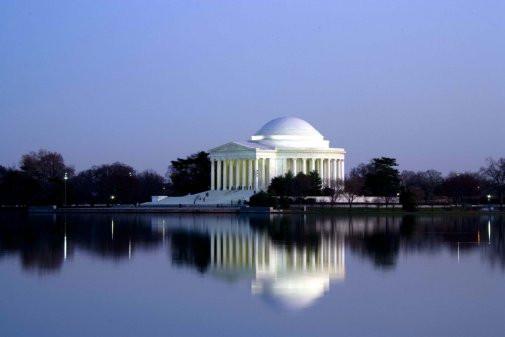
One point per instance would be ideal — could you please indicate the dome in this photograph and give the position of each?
(292, 292)
(289, 132)
(292, 126)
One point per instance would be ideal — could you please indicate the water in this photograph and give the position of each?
(227, 275)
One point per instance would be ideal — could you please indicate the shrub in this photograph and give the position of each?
(263, 199)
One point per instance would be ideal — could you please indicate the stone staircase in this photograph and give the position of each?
(211, 197)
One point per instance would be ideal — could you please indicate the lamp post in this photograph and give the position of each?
(65, 178)
(489, 198)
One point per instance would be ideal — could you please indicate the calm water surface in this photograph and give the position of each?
(227, 275)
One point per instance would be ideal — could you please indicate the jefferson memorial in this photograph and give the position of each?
(241, 168)
(281, 145)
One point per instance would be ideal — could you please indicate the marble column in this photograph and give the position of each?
(264, 173)
(256, 174)
(212, 174)
(225, 174)
(325, 172)
(237, 173)
(218, 175)
(230, 174)
(244, 183)
(335, 170)
(304, 168)
(321, 166)
(294, 167)
(250, 175)
(312, 164)
(342, 171)
(329, 171)
(328, 176)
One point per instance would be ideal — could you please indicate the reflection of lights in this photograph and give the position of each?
(112, 229)
(65, 247)
(489, 231)
(129, 249)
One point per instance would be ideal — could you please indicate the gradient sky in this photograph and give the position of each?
(144, 82)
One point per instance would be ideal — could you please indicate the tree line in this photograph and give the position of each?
(43, 178)
(381, 178)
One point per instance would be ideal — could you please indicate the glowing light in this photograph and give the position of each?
(489, 231)
(65, 247)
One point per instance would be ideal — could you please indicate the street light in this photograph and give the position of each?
(489, 196)
(65, 178)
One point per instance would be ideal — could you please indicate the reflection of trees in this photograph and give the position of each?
(284, 230)
(44, 241)
(382, 248)
(110, 236)
(38, 244)
(190, 248)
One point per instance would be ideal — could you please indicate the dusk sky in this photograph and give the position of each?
(145, 82)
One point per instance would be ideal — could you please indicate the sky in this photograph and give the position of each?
(145, 82)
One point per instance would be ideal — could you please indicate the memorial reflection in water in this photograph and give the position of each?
(292, 275)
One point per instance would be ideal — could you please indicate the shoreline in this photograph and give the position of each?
(250, 210)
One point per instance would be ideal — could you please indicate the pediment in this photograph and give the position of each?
(232, 147)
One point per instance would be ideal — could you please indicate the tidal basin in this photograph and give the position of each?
(251, 275)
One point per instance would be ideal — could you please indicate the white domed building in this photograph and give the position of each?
(281, 145)
(241, 168)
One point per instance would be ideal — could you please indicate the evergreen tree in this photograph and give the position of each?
(382, 178)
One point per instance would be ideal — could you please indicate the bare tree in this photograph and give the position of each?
(495, 173)
(423, 184)
(337, 188)
(353, 187)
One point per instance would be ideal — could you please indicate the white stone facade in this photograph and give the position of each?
(282, 145)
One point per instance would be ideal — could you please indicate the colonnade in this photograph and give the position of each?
(240, 174)
(329, 169)
(255, 174)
